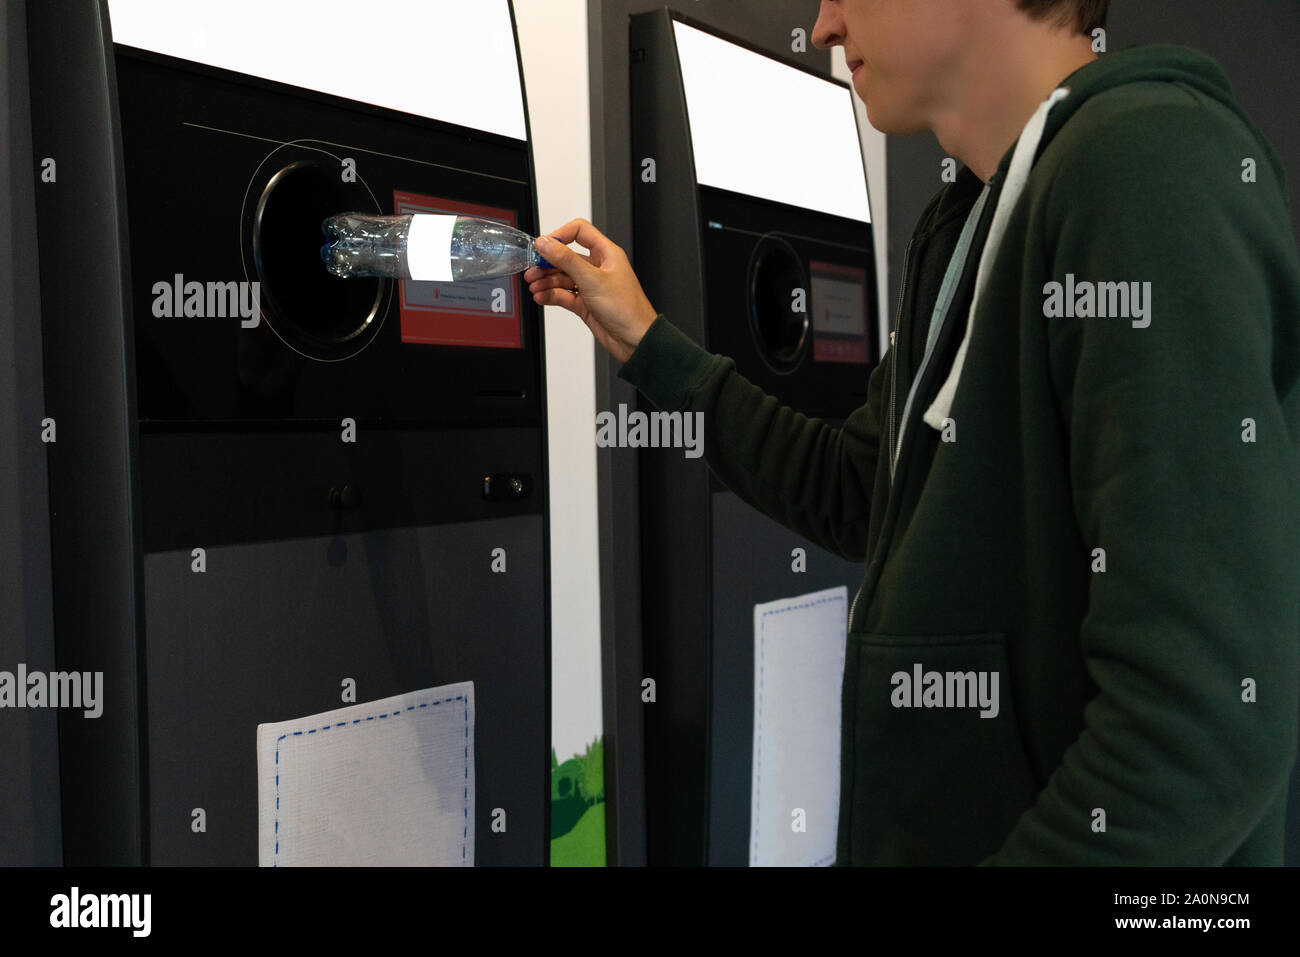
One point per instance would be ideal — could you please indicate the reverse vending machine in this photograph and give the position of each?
(753, 235)
(274, 492)
(29, 786)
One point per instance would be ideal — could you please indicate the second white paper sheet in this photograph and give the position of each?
(388, 783)
(798, 669)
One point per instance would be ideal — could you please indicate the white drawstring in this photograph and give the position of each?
(1022, 160)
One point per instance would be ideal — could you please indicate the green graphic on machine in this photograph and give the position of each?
(578, 808)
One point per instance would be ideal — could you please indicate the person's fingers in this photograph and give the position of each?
(564, 298)
(583, 233)
(557, 281)
(565, 259)
(611, 301)
(575, 230)
(534, 273)
(567, 300)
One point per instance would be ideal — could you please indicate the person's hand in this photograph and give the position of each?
(600, 289)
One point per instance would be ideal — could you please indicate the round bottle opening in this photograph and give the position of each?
(315, 313)
(777, 284)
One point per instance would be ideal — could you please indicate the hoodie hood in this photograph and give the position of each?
(1149, 64)
(1154, 63)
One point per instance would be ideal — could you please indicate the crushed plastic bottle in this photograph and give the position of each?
(426, 246)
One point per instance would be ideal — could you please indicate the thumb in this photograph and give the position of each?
(563, 258)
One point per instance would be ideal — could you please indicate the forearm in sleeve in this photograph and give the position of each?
(811, 477)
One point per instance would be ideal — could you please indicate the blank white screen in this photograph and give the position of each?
(450, 60)
(769, 130)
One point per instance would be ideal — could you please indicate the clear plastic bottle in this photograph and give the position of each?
(426, 246)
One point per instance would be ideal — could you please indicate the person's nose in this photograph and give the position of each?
(829, 29)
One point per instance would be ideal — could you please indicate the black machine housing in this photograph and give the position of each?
(721, 266)
(326, 559)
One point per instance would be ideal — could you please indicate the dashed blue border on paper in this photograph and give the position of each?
(758, 704)
(464, 837)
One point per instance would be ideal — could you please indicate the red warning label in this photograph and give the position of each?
(839, 313)
(459, 313)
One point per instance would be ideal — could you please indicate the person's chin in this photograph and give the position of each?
(888, 119)
(879, 116)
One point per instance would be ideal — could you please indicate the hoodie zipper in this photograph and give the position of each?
(893, 380)
(853, 609)
(893, 375)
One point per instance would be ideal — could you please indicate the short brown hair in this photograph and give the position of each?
(1084, 15)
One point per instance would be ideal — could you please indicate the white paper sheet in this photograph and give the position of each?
(798, 668)
(386, 783)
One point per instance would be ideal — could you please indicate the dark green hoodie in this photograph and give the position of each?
(1109, 521)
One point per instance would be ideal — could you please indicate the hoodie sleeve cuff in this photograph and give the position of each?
(666, 365)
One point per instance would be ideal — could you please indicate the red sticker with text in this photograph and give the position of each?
(484, 313)
(839, 313)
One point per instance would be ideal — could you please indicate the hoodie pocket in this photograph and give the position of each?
(934, 770)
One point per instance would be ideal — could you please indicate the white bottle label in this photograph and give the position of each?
(428, 246)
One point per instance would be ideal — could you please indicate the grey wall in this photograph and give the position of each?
(765, 23)
(29, 782)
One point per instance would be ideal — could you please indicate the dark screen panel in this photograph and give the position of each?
(201, 147)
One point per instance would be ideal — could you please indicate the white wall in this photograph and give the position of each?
(553, 44)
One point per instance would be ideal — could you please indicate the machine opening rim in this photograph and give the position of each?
(789, 359)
